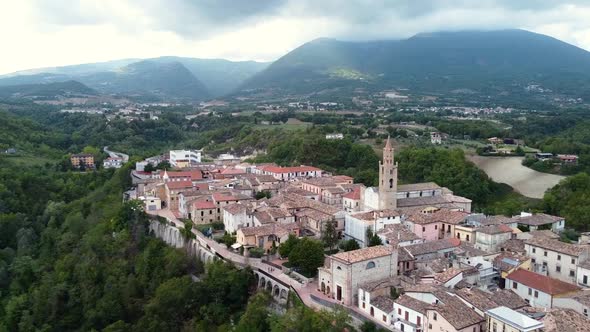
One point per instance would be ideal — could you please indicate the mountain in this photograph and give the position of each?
(164, 77)
(484, 61)
(46, 90)
(160, 80)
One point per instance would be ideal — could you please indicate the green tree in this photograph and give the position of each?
(286, 247)
(349, 245)
(329, 235)
(256, 316)
(307, 255)
(373, 239)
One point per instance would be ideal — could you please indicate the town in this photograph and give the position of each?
(407, 257)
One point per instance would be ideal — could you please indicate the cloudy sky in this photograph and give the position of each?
(40, 33)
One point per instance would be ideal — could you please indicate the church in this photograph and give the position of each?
(390, 196)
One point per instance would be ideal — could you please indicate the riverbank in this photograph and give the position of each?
(510, 170)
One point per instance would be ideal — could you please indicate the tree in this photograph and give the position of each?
(373, 239)
(149, 168)
(256, 316)
(165, 164)
(349, 245)
(330, 236)
(307, 256)
(286, 247)
(263, 194)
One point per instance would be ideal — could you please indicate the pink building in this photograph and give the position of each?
(424, 225)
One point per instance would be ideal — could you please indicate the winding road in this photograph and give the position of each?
(114, 154)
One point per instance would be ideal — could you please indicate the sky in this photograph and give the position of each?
(44, 33)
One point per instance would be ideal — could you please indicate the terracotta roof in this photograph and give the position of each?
(496, 220)
(558, 246)
(270, 229)
(439, 215)
(494, 229)
(194, 175)
(583, 297)
(232, 171)
(204, 205)
(224, 197)
(477, 298)
(296, 169)
(447, 275)
(383, 303)
(179, 184)
(537, 219)
(418, 186)
(397, 233)
(432, 246)
(236, 208)
(513, 245)
(376, 214)
(507, 261)
(508, 298)
(354, 195)
(565, 320)
(412, 303)
(540, 282)
(544, 233)
(457, 313)
(363, 254)
(404, 255)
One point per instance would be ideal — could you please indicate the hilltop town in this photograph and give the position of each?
(407, 257)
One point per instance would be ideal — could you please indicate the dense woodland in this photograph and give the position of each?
(73, 257)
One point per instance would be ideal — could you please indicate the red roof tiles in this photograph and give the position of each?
(540, 282)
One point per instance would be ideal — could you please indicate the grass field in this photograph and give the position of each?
(26, 160)
(291, 124)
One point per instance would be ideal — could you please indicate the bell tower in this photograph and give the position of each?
(387, 179)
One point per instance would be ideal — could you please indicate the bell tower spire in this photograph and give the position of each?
(387, 178)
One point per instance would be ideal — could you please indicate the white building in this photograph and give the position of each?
(435, 138)
(335, 136)
(409, 314)
(536, 289)
(579, 302)
(356, 225)
(555, 258)
(506, 319)
(489, 238)
(236, 216)
(112, 162)
(583, 273)
(184, 158)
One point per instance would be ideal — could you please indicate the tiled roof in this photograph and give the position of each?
(537, 219)
(313, 214)
(194, 175)
(179, 184)
(565, 320)
(203, 205)
(418, 186)
(583, 297)
(432, 246)
(396, 233)
(546, 233)
(296, 169)
(494, 229)
(363, 254)
(270, 229)
(478, 298)
(403, 255)
(412, 303)
(507, 261)
(508, 298)
(558, 246)
(439, 215)
(540, 282)
(236, 208)
(496, 220)
(373, 215)
(457, 313)
(421, 201)
(354, 195)
(513, 245)
(383, 303)
(447, 275)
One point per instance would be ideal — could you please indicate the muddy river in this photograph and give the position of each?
(509, 170)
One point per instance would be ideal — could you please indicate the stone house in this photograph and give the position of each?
(540, 221)
(409, 314)
(555, 258)
(489, 238)
(453, 315)
(265, 236)
(343, 273)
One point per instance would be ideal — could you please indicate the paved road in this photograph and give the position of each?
(114, 154)
(304, 291)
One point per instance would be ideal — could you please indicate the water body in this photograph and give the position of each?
(509, 170)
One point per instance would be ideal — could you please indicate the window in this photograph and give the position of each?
(384, 318)
(558, 257)
(536, 294)
(585, 280)
(399, 311)
(494, 327)
(418, 321)
(530, 291)
(558, 269)
(434, 316)
(423, 229)
(435, 226)
(572, 273)
(586, 312)
(370, 265)
(533, 260)
(514, 285)
(534, 250)
(545, 253)
(573, 261)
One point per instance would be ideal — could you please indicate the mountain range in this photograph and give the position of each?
(490, 63)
